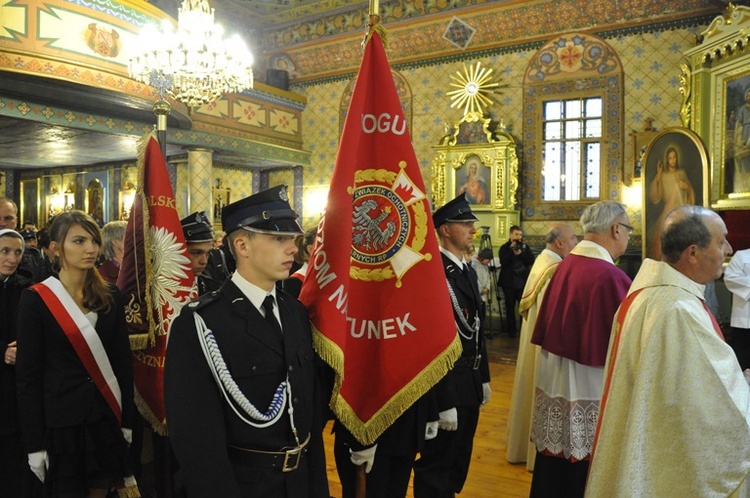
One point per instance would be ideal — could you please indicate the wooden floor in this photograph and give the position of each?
(490, 475)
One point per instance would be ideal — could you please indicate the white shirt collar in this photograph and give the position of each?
(253, 293)
(591, 249)
(452, 257)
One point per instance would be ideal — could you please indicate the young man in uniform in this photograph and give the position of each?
(199, 236)
(444, 464)
(240, 394)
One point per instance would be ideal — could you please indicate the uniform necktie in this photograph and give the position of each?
(270, 317)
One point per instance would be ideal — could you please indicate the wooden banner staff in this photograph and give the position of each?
(360, 487)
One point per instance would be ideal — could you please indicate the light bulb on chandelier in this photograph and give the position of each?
(193, 64)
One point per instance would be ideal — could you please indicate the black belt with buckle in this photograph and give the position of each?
(469, 361)
(286, 460)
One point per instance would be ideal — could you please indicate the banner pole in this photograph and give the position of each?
(360, 484)
(162, 109)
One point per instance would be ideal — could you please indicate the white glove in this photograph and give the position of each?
(448, 420)
(39, 463)
(366, 456)
(127, 434)
(486, 393)
(431, 430)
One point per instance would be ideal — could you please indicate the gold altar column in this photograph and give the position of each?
(200, 179)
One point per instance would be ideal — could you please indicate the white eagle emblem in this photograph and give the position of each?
(367, 231)
(169, 266)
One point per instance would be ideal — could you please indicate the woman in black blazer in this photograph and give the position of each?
(74, 371)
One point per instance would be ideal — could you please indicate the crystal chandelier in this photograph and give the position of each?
(194, 65)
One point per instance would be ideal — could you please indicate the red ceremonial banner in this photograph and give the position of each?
(155, 278)
(375, 288)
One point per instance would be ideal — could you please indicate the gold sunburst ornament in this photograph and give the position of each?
(475, 88)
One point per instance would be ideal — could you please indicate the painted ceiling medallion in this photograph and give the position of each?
(459, 33)
(475, 87)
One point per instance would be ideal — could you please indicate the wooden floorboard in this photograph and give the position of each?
(490, 475)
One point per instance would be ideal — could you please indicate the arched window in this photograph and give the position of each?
(573, 127)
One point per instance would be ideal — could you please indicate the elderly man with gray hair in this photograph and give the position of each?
(675, 408)
(573, 328)
(113, 240)
(560, 240)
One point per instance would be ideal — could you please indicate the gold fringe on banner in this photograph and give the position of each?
(368, 432)
(141, 166)
(129, 492)
(149, 339)
(138, 341)
(159, 426)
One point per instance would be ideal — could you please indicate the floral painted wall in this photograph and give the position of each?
(650, 60)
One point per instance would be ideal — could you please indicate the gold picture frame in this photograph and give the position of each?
(715, 80)
(472, 175)
(641, 139)
(28, 210)
(675, 173)
(734, 179)
(485, 170)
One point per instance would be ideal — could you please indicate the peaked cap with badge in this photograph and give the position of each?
(265, 212)
(28, 234)
(457, 210)
(197, 228)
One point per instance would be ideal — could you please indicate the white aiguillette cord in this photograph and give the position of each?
(229, 387)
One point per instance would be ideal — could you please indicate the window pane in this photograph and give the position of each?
(593, 170)
(571, 165)
(572, 109)
(593, 107)
(552, 130)
(552, 110)
(593, 128)
(572, 129)
(551, 171)
(572, 175)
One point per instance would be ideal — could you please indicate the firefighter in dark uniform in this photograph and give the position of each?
(199, 236)
(240, 391)
(444, 464)
(33, 262)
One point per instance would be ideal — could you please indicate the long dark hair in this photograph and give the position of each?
(96, 294)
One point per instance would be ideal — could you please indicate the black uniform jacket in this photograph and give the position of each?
(54, 389)
(462, 386)
(202, 425)
(207, 283)
(10, 294)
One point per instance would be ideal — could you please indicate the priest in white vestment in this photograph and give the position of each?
(560, 240)
(675, 412)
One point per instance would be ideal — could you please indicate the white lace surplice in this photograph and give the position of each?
(566, 406)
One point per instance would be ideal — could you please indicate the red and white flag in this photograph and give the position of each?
(375, 287)
(155, 278)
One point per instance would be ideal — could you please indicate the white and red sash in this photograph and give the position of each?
(84, 339)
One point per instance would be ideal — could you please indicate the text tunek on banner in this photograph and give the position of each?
(376, 288)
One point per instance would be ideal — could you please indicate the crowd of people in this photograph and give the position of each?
(614, 378)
